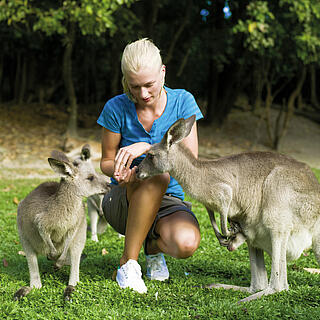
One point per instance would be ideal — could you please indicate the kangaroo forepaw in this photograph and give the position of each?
(67, 292)
(53, 255)
(22, 292)
(59, 264)
(224, 242)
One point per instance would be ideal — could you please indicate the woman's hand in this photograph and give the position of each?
(124, 158)
(125, 176)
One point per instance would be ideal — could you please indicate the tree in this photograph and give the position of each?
(283, 39)
(64, 18)
(225, 59)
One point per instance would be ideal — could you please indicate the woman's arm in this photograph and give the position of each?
(116, 162)
(191, 141)
(110, 146)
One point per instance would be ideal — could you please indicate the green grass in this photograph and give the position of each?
(98, 297)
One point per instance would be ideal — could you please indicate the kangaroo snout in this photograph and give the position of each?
(140, 174)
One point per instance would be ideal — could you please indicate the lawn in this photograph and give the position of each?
(181, 297)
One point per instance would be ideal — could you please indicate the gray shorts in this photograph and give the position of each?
(115, 209)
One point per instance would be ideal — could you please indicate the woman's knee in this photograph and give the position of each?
(182, 243)
(179, 234)
(186, 242)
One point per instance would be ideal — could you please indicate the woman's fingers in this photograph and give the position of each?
(120, 161)
(127, 177)
(129, 161)
(123, 159)
(126, 155)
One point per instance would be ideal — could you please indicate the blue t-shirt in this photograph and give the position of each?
(119, 115)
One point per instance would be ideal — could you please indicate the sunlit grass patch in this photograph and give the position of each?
(181, 297)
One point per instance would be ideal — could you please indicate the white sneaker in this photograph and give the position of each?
(129, 276)
(156, 267)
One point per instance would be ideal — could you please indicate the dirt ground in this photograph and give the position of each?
(28, 135)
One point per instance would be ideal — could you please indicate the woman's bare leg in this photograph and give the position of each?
(179, 235)
(144, 199)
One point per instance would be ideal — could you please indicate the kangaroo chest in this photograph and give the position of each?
(59, 228)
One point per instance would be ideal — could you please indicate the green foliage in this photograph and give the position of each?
(52, 17)
(258, 27)
(278, 26)
(211, 57)
(182, 297)
(306, 13)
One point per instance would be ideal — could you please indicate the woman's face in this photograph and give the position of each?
(146, 84)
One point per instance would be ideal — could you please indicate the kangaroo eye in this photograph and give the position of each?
(90, 178)
(150, 156)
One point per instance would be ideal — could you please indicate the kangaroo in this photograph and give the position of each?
(273, 198)
(51, 219)
(98, 223)
(235, 238)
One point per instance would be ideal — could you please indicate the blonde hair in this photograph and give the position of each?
(136, 55)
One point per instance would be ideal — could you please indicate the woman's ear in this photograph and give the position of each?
(163, 70)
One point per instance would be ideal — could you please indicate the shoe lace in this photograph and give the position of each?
(131, 268)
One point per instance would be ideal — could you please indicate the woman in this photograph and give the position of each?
(151, 211)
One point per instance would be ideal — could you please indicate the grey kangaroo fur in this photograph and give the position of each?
(51, 219)
(97, 222)
(274, 199)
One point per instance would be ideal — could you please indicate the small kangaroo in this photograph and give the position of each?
(274, 199)
(97, 222)
(51, 219)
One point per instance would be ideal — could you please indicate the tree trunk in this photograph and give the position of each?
(268, 103)
(115, 56)
(184, 62)
(17, 77)
(151, 16)
(212, 89)
(231, 87)
(290, 108)
(313, 87)
(1, 73)
(178, 33)
(259, 84)
(23, 82)
(68, 81)
(87, 78)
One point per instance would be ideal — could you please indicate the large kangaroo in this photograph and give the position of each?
(52, 221)
(274, 199)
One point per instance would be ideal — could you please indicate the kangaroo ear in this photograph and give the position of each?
(189, 124)
(85, 152)
(59, 156)
(61, 167)
(178, 131)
